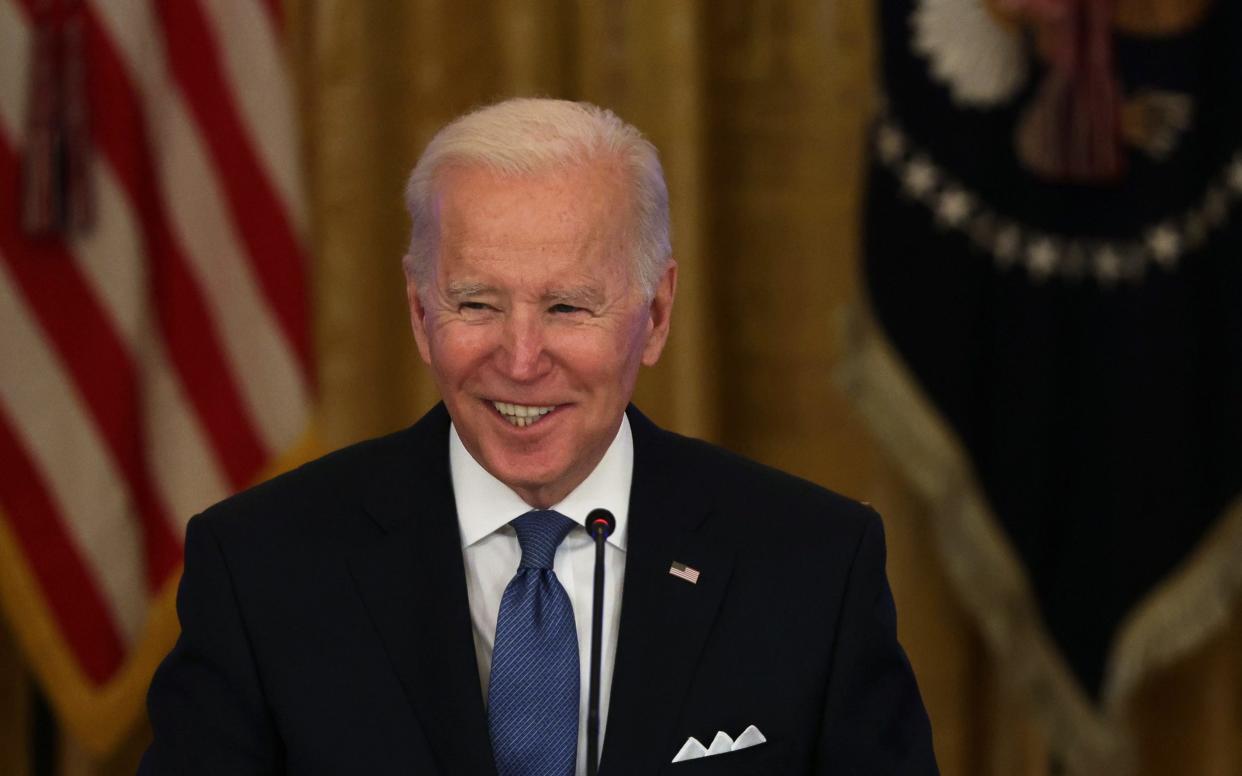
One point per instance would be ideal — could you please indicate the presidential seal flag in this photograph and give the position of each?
(1053, 341)
(154, 330)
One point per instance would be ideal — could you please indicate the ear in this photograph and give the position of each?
(661, 311)
(418, 318)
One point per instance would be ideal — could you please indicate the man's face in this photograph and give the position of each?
(533, 324)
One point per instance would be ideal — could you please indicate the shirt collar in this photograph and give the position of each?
(485, 504)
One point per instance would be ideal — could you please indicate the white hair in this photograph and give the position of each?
(526, 136)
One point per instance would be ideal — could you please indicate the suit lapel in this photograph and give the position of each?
(665, 620)
(412, 582)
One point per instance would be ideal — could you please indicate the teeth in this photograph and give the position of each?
(521, 415)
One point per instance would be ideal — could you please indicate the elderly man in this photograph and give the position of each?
(422, 603)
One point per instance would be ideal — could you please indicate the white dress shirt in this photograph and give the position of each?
(490, 548)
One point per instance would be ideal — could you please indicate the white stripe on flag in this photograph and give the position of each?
(14, 60)
(254, 63)
(185, 471)
(64, 443)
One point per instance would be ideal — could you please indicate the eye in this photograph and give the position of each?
(564, 309)
(474, 306)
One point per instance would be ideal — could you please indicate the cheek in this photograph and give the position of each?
(633, 345)
(602, 362)
(459, 350)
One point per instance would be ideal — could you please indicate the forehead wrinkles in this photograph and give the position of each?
(553, 264)
(476, 199)
(555, 287)
(481, 236)
(567, 222)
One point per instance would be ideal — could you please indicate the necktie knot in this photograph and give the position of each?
(539, 533)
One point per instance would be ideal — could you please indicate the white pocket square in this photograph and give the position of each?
(693, 750)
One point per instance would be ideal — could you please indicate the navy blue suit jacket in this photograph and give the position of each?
(326, 630)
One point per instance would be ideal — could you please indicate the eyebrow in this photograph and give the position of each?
(469, 288)
(577, 296)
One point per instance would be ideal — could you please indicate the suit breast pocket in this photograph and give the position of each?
(760, 760)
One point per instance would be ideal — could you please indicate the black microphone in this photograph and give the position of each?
(599, 524)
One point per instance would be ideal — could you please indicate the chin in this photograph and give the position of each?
(525, 478)
(547, 478)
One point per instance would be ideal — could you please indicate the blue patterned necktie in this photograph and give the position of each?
(532, 697)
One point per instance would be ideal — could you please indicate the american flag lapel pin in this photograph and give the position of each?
(682, 571)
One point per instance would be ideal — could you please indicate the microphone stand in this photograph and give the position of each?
(599, 524)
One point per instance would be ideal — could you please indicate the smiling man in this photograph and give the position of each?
(421, 603)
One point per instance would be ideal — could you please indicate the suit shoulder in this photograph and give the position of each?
(324, 486)
(741, 483)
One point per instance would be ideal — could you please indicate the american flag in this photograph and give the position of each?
(682, 571)
(154, 330)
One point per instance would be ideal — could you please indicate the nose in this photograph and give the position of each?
(524, 356)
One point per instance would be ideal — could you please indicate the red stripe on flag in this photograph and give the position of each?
(194, 58)
(95, 357)
(82, 616)
(276, 10)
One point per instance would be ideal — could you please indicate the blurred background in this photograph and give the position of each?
(913, 238)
